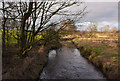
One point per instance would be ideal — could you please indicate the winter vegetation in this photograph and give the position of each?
(28, 34)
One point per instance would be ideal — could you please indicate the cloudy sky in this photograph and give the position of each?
(102, 13)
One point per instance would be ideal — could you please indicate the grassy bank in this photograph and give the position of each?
(102, 53)
(101, 50)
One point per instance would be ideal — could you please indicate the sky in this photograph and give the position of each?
(102, 13)
(65, 0)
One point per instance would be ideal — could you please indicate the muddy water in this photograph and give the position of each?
(67, 63)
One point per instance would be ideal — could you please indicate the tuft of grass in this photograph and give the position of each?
(105, 55)
(97, 50)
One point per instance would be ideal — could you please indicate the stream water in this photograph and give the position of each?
(67, 63)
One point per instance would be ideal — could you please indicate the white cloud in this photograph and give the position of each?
(84, 23)
(102, 11)
(111, 24)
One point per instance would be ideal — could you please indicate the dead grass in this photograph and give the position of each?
(101, 50)
(105, 56)
(29, 67)
(15, 67)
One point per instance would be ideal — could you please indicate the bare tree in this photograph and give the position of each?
(3, 31)
(34, 17)
(92, 29)
(114, 31)
(106, 28)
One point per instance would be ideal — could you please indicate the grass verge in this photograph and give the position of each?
(101, 55)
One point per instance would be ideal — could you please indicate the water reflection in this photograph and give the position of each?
(67, 63)
(52, 54)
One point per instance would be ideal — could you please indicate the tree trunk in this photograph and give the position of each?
(22, 36)
(3, 37)
(34, 20)
(22, 46)
(7, 37)
(3, 32)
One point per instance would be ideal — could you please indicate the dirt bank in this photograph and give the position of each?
(29, 67)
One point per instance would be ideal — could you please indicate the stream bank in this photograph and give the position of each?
(109, 70)
(67, 63)
(29, 67)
